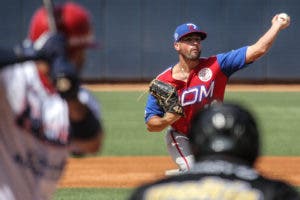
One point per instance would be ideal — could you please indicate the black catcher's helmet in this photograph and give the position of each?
(225, 129)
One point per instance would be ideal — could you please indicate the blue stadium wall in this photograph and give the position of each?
(136, 35)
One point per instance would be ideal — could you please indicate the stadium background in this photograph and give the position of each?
(136, 35)
(136, 43)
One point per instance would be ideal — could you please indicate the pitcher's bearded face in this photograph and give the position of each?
(190, 46)
(191, 54)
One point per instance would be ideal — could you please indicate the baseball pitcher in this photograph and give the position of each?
(193, 83)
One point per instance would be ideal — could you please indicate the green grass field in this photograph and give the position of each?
(277, 113)
(92, 194)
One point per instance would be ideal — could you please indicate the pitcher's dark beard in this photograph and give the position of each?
(192, 57)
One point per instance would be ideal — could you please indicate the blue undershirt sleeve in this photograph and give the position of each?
(152, 108)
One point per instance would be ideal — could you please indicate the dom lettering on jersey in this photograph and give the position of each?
(196, 94)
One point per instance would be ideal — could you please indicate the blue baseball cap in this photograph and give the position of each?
(187, 28)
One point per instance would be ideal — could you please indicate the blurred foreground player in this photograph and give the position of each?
(45, 113)
(225, 143)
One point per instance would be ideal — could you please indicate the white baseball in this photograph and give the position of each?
(283, 17)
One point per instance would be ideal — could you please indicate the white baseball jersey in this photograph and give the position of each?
(34, 133)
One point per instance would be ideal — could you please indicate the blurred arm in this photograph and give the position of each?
(87, 132)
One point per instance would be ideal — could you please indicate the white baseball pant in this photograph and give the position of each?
(179, 149)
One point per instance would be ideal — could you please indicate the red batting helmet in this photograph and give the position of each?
(72, 20)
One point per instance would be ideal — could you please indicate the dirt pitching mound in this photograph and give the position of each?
(128, 172)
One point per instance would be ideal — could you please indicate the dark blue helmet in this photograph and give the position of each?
(225, 129)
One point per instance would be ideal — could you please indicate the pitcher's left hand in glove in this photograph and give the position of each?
(166, 96)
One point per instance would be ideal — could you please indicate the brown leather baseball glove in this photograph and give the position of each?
(166, 96)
